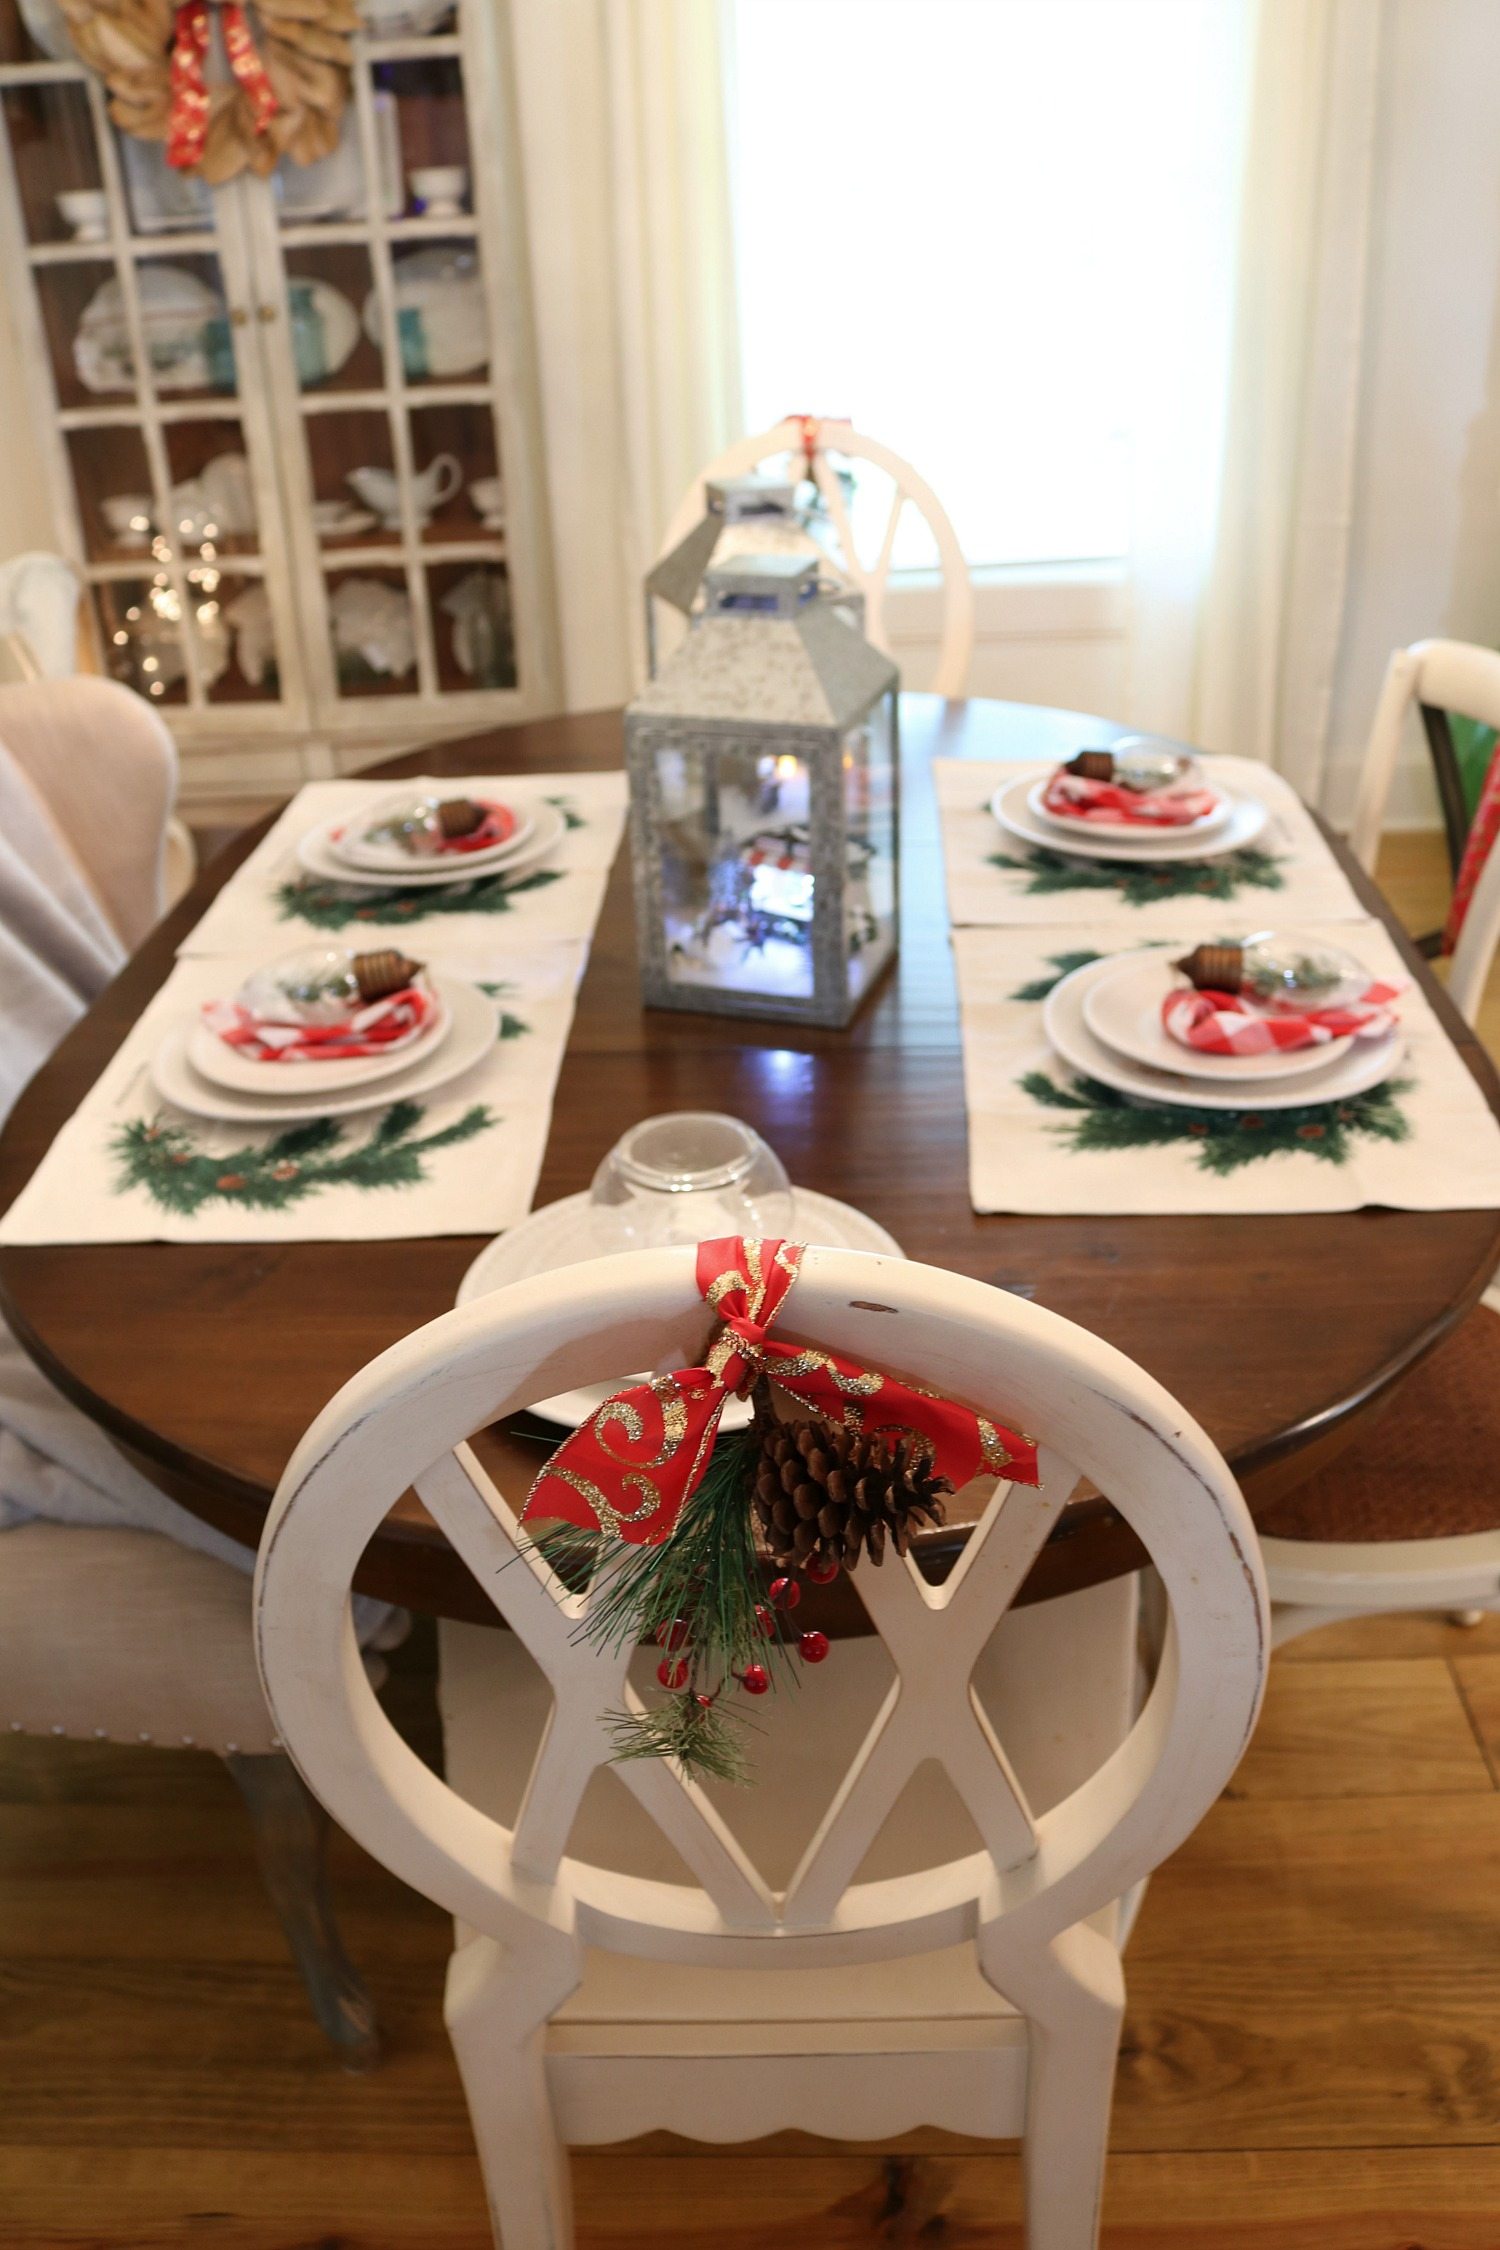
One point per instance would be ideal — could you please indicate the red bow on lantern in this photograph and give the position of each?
(188, 132)
(632, 1466)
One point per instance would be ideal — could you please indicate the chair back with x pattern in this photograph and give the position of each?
(405, 1421)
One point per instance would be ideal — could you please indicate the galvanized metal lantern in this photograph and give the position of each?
(749, 515)
(763, 804)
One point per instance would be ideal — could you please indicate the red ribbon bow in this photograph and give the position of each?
(632, 1466)
(188, 132)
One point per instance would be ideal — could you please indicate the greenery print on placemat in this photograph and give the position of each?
(334, 906)
(511, 1027)
(1248, 870)
(181, 1175)
(1060, 965)
(1101, 1121)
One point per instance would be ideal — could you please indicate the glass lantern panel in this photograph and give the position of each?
(472, 627)
(460, 493)
(51, 136)
(356, 498)
(332, 307)
(211, 507)
(140, 627)
(112, 484)
(737, 881)
(432, 134)
(442, 319)
(869, 787)
(238, 610)
(334, 188)
(370, 623)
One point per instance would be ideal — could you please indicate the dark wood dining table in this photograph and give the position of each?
(205, 1362)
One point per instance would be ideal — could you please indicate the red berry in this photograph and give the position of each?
(673, 1671)
(821, 1569)
(755, 1679)
(813, 1647)
(765, 1622)
(704, 1702)
(785, 1593)
(674, 1635)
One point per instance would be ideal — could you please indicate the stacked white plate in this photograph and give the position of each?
(342, 851)
(196, 1071)
(1105, 1021)
(1233, 823)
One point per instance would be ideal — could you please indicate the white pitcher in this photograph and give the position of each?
(380, 489)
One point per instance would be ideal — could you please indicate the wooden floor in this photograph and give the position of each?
(1311, 2057)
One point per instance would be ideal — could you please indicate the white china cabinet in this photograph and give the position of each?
(290, 423)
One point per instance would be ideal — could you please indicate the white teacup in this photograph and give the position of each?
(440, 189)
(128, 515)
(488, 496)
(380, 489)
(85, 213)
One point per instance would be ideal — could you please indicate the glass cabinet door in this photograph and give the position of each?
(139, 319)
(398, 488)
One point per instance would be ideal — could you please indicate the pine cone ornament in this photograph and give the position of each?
(1214, 968)
(830, 1494)
(381, 973)
(459, 816)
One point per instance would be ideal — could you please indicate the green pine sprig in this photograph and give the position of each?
(1141, 884)
(171, 1165)
(1062, 965)
(706, 1575)
(326, 905)
(1102, 1120)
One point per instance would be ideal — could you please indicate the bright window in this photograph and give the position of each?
(986, 231)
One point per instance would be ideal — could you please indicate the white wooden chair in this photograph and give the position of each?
(1433, 679)
(1408, 1516)
(871, 575)
(588, 2003)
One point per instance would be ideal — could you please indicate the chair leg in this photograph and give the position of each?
(502, 2064)
(291, 1846)
(1073, 1998)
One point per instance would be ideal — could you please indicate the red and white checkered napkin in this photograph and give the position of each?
(1070, 797)
(1231, 1023)
(374, 1030)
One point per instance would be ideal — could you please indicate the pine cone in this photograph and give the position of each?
(830, 1493)
(460, 816)
(1214, 968)
(382, 973)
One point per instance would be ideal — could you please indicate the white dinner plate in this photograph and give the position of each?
(319, 858)
(1011, 807)
(224, 1065)
(472, 1033)
(1366, 1064)
(1132, 832)
(554, 1236)
(1124, 1010)
(390, 859)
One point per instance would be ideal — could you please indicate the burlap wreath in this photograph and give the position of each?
(304, 45)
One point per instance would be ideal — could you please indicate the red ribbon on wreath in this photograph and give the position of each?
(632, 1466)
(187, 135)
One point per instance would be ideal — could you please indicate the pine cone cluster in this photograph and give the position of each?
(460, 816)
(829, 1494)
(383, 972)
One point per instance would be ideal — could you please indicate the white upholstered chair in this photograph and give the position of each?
(810, 452)
(857, 1978)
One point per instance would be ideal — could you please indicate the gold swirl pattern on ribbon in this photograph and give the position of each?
(611, 1517)
(674, 1422)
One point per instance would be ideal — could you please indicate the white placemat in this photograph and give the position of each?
(127, 1167)
(272, 905)
(1043, 1140)
(1288, 876)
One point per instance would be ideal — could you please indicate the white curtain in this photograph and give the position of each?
(1240, 561)
(626, 177)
